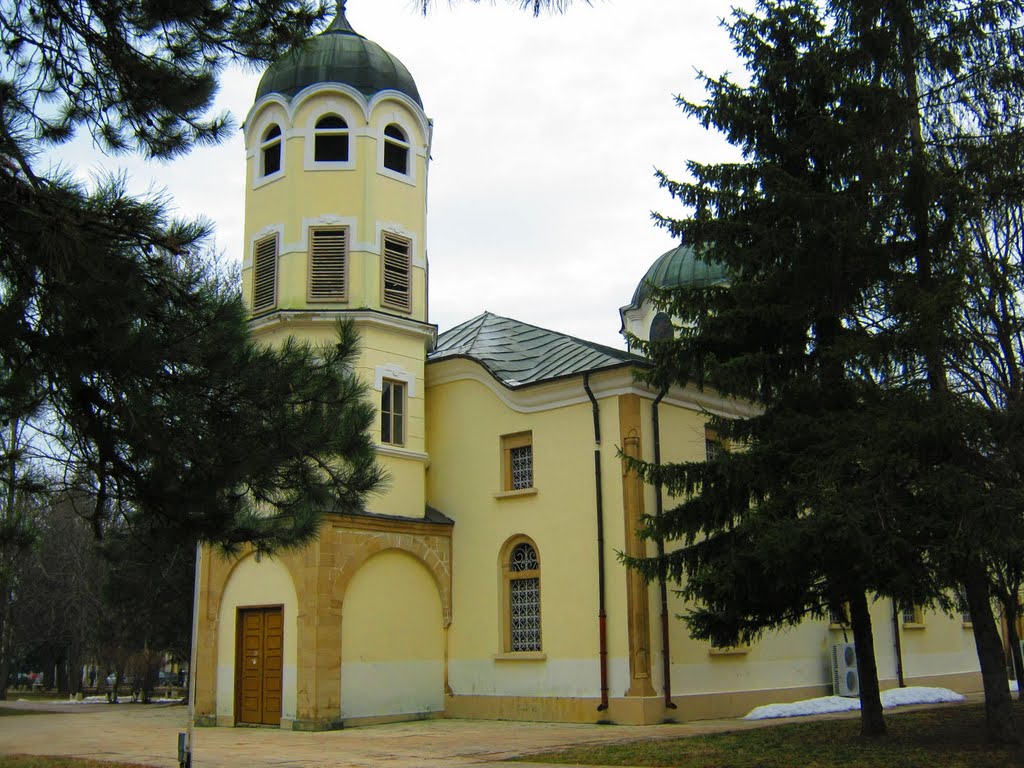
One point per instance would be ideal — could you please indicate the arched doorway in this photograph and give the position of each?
(257, 644)
(392, 639)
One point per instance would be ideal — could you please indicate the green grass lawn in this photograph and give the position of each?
(948, 737)
(33, 761)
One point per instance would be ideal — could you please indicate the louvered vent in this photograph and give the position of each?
(328, 256)
(397, 273)
(264, 281)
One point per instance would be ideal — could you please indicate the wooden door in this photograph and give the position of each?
(259, 665)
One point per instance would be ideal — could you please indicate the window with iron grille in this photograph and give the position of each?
(961, 604)
(396, 273)
(264, 274)
(521, 459)
(712, 445)
(392, 412)
(911, 614)
(517, 462)
(523, 571)
(328, 264)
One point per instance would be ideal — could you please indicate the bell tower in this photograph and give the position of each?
(337, 155)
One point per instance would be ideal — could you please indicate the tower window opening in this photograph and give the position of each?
(396, 149)
(396, 269)
(392, 412)
(330, 140)
(270, 151)
(328, 263)
(264, 279)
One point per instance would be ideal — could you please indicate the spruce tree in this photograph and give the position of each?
(839, 229)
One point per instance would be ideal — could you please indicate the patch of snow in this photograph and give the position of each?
(87, 700)
(901, 697)
(820, 706)
(123, 699)
(895, 697)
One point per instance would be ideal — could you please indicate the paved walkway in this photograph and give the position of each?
(148, 735)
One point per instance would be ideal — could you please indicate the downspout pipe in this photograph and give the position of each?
(666, 656)
(602, 627)
(897, 644)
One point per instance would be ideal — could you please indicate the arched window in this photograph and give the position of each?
(521, 567)
(661, 328)
(270, 151)
(396, 149)
(330, 140)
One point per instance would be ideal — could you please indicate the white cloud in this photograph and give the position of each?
(547, 132)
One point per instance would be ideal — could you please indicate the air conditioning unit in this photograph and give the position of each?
(845, 680)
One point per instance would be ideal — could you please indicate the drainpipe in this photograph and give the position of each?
(666, 657)
(897, 645)
(601, 617)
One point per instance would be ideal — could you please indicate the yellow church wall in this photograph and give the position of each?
(403, 493)
(384, 353)
(464, 482)
(255, 584)
(467, 421)
(940, 646)
(392, 649)
(388, 350)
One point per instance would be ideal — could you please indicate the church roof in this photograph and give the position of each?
(339, 54)
(518, 354)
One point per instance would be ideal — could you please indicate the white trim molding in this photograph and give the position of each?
(394, 372)
(270, 229)
(401, 453)
(332, 104)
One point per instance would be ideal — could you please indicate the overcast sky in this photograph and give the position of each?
(547, 132)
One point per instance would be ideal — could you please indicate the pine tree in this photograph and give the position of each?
(124, 351)
(115, 329)
(533, 6)
(840, 232)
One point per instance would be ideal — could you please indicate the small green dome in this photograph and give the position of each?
(679, 267)
(339, 54)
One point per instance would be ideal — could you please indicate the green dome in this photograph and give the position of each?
(338, 55)
(679, 267)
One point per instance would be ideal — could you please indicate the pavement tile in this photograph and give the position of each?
(148, 734)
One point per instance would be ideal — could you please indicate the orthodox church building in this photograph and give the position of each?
(485, 581)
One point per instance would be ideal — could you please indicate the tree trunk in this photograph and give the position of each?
(872, 721)
(6, 641)
(62, 674)
(1010, 613)
(998, 714)
(74, 669)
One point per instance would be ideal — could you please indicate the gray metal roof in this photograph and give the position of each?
(518, 354)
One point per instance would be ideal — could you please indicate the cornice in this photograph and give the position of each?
(568, 391)
(284, 318)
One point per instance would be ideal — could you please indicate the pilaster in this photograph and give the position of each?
(636, 587)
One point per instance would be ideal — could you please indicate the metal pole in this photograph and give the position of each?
(185, 754)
